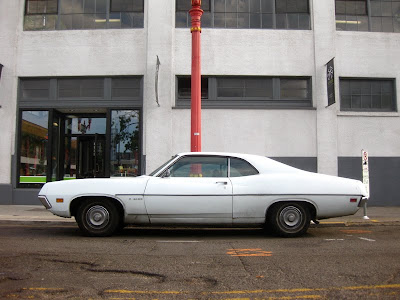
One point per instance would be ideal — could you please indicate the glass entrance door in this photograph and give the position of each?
(84, 146)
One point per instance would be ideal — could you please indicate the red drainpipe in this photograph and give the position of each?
(195, 138)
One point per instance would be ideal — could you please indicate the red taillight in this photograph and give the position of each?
(353, 200)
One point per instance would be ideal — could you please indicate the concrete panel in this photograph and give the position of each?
(264, 132)
(377, 134)
(248, 52)
(384, 175)
(303, 163)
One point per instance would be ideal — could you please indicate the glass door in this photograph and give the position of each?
(84, 146)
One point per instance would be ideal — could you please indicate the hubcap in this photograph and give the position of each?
(290, 217)
(97, 216)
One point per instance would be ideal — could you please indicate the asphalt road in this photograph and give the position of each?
(55, 262)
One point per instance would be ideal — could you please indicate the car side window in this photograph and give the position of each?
(240, 167)
(200, 166)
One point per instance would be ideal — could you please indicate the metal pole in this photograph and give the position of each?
(195, 138)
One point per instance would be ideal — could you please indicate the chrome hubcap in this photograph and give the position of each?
(290, 217)
(97, 216)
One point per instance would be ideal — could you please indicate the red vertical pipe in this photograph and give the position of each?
(195, 140)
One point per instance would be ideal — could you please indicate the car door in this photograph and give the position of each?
(194, 190)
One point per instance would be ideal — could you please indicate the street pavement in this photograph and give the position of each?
(35, 213)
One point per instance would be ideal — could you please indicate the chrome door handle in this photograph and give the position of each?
(222, 182)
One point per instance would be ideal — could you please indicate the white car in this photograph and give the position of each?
(199, 188)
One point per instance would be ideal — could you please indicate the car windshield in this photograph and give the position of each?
(162, 166)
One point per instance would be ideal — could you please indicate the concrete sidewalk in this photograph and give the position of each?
(37, 213)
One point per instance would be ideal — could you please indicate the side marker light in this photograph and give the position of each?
(59, 200)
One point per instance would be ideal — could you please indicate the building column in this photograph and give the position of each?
(324, 50)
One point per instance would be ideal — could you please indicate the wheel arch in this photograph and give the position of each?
(312, 208)
(75, 203)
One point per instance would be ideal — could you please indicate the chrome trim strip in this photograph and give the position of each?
(245, 195)
(45, 202)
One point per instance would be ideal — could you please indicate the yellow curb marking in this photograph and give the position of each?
(248, 252)
(349, 288)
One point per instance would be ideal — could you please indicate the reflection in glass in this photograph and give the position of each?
(70, 157)
(124, 143)
(76, 125)
(34, 139)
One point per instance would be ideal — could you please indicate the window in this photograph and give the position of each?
(35, 89)
(81, 88)
(367, 95)
(277, 14)
(127, 5)
(368, 15)
(126, 88)
(41, 7)
(184, 87)
(248, 92)
(83, 14)
(111, 89)
(33, 147)
(200, 166)
(239, 167)
(125, 143)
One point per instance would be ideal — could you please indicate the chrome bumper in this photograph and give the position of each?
(45, 202)
(362, 202)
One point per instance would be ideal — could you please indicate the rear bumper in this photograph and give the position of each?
(362, 202)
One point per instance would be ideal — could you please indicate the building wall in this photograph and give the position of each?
(319, 138)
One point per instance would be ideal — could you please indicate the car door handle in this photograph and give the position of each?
(222, 182)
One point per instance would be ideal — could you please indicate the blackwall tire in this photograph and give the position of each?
(289, 219)
(97, 218)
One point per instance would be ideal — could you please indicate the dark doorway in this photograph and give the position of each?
(90, 161)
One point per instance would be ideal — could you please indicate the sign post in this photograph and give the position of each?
(365, 173)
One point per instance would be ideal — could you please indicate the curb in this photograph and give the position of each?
(320, 225)
(355, 224)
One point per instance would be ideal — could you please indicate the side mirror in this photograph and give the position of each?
(167, 173)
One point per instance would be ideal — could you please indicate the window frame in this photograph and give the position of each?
(277, 102)
(371, 109)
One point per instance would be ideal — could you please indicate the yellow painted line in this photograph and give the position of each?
(43, 289)
(332, 222)
(375, 221)
(248, 252)
(352, 288)
(143, 292)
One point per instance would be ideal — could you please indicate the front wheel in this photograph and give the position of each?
(289, 219)
(97, 218)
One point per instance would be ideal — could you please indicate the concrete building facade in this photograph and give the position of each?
(298, 129)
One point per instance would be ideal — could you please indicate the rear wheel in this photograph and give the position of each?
(97, 218)
(289, 219)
